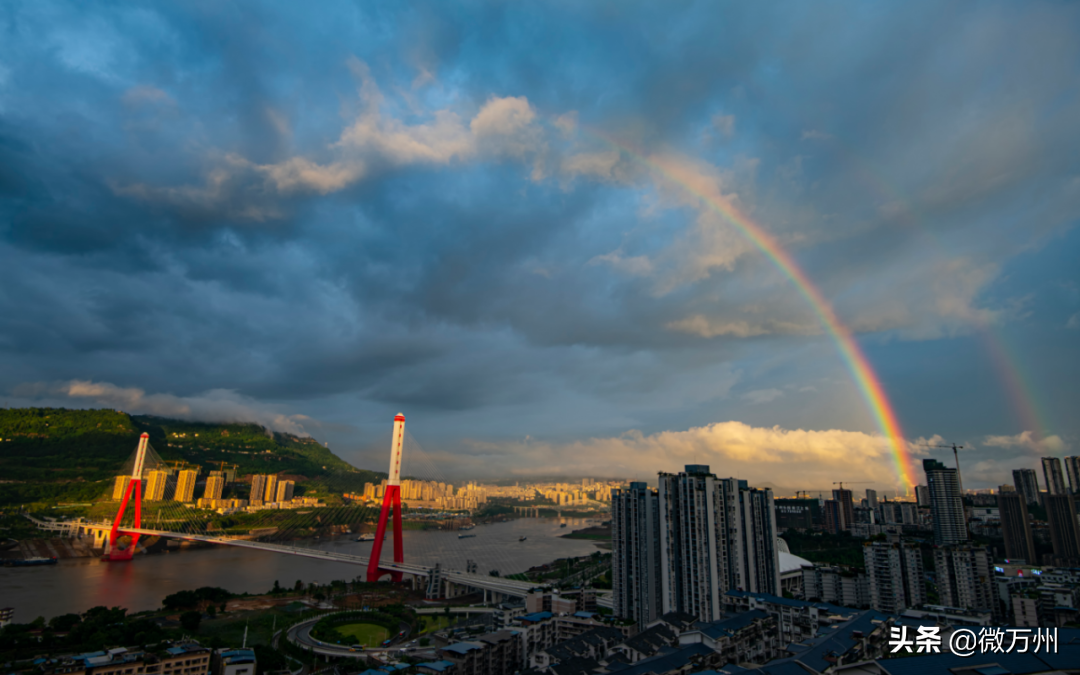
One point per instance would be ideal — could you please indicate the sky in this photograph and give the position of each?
(542, 230)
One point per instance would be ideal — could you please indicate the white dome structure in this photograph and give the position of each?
(790, 568)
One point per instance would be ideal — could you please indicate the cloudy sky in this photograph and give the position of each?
(502, 219)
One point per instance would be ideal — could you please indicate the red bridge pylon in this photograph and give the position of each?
(391, 502)
(117, 549)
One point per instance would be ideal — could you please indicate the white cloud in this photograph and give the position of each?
(1027, 440)
(1073, 322)
(710, 327)
(634, 265)
(216, 405)
(815, 135)
(567, 123)
(507, 124)
(602, 164)
(797, 459)
(297, 173)
(503, 127)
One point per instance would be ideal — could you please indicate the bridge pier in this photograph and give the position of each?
(101, 538)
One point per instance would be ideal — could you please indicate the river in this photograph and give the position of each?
(75, 585)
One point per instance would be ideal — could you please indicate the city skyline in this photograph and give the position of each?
(797, 248)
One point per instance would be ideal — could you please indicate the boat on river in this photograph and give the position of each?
(465, 536)
(523, 539)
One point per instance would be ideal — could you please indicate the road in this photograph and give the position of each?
(300, 634)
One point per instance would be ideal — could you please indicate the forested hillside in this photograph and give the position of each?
(55, 454)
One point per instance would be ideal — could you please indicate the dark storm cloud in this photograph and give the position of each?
(371, 208)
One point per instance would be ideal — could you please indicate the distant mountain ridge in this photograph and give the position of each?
(58, 453)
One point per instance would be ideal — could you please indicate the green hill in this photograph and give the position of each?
(55, 454)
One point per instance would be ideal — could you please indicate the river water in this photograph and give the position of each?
(75, 585)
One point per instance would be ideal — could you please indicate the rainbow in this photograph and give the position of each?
(852, 354)
(1006, 362)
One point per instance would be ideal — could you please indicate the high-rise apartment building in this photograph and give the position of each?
(1072, 471)
(1026, 482)
(834, 516)
(635, 553)
(271, 488)
(1016, 528)
(895, 574)
(715, 535)
(1064, 529)
(285, 490)
(965, 577)
(120, 487)
(758, 570)
(185, 486)
(696, 514)
(946, 506)
(156, 482)
(871, 499)
(1055, 478)
(258, 489)
(922, 495)
(847, 508)
(214, 486)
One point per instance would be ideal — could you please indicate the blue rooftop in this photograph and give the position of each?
(667, 660)
(437, 666)
(731, 625)
(536, 616)
(462, 647)
(789, 602)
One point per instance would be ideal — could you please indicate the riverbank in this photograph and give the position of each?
(599, 533)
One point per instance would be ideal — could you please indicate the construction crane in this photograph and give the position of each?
(851, 482)
(956, 456)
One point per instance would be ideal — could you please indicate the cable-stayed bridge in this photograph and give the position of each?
(120, 538)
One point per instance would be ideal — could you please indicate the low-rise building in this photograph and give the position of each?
(950, 616)
(498, 652)
(189, 658)
(748, 637)
(593, 644)
(234, 662)
(796, 620)
(836, 585)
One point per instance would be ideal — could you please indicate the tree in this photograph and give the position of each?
(64, 622)
(277, 587)
(269, 659)
(191, 620)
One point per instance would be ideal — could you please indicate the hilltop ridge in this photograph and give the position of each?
(57, 454)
